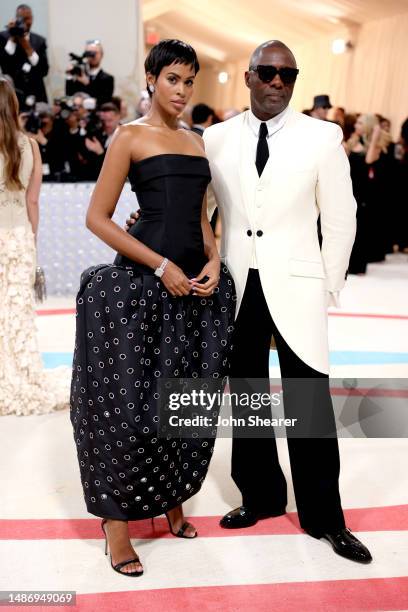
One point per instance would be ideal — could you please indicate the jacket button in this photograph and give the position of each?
(249, 233)
(259, 233)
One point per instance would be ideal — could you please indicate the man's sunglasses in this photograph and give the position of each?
(268, 73)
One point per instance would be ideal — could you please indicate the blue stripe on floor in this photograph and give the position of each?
(52, 360)
(356, 358)
(366, 357)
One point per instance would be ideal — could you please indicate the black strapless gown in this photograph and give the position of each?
(130, 332)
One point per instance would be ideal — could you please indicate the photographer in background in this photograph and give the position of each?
(51, 138)
(97, 140)
(71, 114)
(86, 75)
(110, 117)
(23, 56)
(123, 108)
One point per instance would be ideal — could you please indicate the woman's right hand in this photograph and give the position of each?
(175, 281)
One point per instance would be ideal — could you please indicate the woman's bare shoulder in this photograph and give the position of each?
(131, 137)
(137, 125)
(194, 137)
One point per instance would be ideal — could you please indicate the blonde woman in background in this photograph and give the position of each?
(370, 161)
(25, 388)
(369, 138)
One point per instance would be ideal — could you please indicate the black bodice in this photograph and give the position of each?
(170, 188)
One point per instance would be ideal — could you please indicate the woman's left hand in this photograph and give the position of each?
(212, 270)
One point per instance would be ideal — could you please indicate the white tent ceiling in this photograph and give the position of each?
(226, 30)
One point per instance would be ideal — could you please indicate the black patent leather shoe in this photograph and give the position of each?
(344, 543)
(245, 517)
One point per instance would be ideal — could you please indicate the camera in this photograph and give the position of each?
(66, 106)
(78, 62)
(18, 29)
(94, 125)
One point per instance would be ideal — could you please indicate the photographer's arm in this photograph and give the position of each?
(32, 55)
(106, 88)
(11, 45)
(71, 86)
(38, 60)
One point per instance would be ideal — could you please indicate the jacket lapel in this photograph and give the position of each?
(248, 173)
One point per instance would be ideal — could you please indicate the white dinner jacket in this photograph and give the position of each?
(276, 214)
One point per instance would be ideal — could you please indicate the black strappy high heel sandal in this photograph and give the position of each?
(119, 565)
(180, 533)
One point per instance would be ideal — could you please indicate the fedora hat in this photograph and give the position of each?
(322, 101)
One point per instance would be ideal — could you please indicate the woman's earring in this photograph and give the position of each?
(151, 88)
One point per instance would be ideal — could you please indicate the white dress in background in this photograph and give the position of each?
(25, 386)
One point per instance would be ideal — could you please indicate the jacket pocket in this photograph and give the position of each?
(303, 267)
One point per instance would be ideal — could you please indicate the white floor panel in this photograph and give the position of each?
(43, 479)
(81, 565)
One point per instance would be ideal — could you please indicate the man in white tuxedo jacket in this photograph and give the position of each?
(274, 171)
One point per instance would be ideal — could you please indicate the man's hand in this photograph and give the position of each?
(133, 218)
(24, 42)
(93, 144)
(85, 80)
(40, 138)
(212, 270)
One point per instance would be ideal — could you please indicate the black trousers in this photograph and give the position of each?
(314, 461)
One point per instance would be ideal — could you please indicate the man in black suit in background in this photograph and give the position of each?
(202, 117)
(92, 80)
(23, 56)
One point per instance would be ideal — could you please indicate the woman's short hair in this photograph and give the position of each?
(167, 52)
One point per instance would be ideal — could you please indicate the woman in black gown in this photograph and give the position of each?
(136, 325)
(367, 150)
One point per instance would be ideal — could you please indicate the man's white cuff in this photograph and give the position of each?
(34, 58)
(10, 47)
(334, 299)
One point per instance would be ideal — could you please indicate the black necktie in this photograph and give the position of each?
(262, 150)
